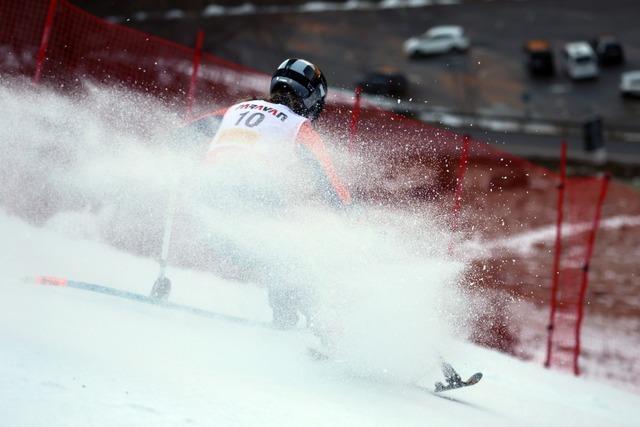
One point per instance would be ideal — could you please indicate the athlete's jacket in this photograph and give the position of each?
(264, 127)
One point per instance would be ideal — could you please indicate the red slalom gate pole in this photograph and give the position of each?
(457, 201)
(558, 250)
(355, 117)
(585, 269)
(44, 41)
(462, 170)
(197, 57)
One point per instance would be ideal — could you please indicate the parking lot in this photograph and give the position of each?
(490, 78)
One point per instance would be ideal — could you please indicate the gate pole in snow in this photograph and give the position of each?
(44, 41)
(585, 268)
(558, 250)
(463, 160)
(355, 117)
(197, 56)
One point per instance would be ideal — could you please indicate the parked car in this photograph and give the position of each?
(609, 50)
(539, 58)
(440, 39)
(580, 61)
(630, 84)
(387, 82)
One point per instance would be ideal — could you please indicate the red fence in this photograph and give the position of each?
(69, 45)
(575, 239)
(485, 191)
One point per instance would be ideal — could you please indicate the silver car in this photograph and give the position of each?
(630, 84)
(440, 39)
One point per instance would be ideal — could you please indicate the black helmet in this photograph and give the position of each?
(305, 81)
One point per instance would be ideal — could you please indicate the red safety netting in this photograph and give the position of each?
(579, 212)
(487, 194)
(83, 47)
(20, 35)
(499, 193)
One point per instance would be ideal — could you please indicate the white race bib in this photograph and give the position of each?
(261, 126)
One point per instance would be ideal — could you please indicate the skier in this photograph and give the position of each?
(282, 122)
(297, 97)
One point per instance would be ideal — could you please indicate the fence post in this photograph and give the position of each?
(44, 41)
(197, 57)
(585, 268)
(355, 117)
(463, 160)
(557, 252)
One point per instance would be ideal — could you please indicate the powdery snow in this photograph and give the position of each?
(85, 172)
(69, 357)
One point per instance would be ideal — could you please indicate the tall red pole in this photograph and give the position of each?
(355, 117)
(197, 57)
(585, 269)
(558, 250)
(463, 160)
(44, 41)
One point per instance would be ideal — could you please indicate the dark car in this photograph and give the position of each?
(388, 83)
(609, 50)
(539, 58)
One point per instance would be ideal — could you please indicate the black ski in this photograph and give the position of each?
(454, 380)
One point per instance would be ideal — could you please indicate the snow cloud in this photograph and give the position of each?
(378, 285)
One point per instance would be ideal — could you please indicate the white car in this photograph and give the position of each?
(630, 84)
(580, 61)
(441, 39)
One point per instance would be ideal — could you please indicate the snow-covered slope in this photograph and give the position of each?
(71, 358)
(87, 172)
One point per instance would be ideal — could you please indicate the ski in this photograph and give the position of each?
(132, 296)
(454, 380)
